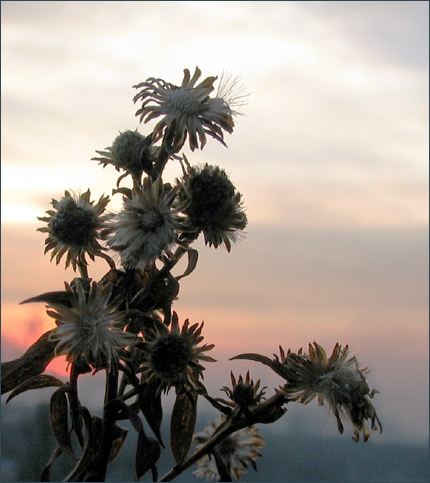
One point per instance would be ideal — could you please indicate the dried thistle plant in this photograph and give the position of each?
(124, 324)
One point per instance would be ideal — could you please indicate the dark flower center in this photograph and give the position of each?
(73, 225)
(212, 194)
(226, 447)
(152, 220)
(170, 356)
(85, 326)
(244, 394)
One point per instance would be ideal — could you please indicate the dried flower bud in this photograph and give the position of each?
(75, 226)
(215, 207)
(132, 152)
(244, 392)
(172, 356)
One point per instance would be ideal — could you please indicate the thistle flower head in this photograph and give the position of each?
(187, 109)
(131, 152)
(173, 356)
(74, 227)
(338, 381)
(243, 392)
(234, 453)
(144, 230)
(90, 329)
(215, 207)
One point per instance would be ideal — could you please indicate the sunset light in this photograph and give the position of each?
(329, 152)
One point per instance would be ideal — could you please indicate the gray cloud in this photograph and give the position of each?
(392, 32)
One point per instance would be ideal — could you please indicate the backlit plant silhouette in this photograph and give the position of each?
(125, 325)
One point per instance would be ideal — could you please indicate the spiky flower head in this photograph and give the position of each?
(338, 381)
(243, 392)
(131, 152)
(74, 227)
(144, 229)
(89, 328)
(172, 356)
(188, 109)
(234, 453)
(215, 207)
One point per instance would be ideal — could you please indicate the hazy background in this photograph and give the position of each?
(331, 156)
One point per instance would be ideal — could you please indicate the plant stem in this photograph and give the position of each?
(266, 412)
(74, 404)
(108, 424)
(202, 451)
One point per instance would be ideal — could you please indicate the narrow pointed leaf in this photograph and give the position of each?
(192, 262)
(147, 454)
(46, 472)
(124, 191)
(61, 298)
(118, 437)
(32, 363)
(182, 424)
(36, 382)
(58, 412)
(89, 448)
(275, 365)
(150, 405)
(128, 413)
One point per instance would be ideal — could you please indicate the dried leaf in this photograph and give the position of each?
(118, 437)
(150, 405)
(124, 191)
(58, 412)
(148, 452)
(192, 262)
(132, 416)
(182, 424)
(62, 298)
(46, 472)
(36, 382)
(32, 363)
(275, 365)
(89, 447)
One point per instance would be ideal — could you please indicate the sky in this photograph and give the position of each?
(330, 153)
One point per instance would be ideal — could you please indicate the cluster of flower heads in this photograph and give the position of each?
(93, 325)
(338, 381)
(154, 215)
(155, 218)
(235, 453)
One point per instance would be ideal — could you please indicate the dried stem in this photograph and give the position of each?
(266, 412)
(108, 424)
